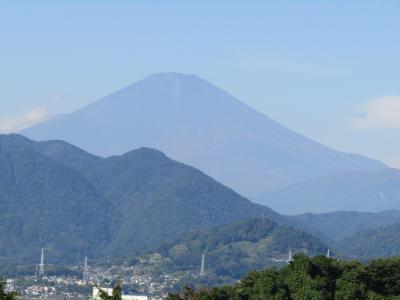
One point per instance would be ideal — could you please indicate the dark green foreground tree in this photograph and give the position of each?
(316, 278)
(4, 295)
(116, 293)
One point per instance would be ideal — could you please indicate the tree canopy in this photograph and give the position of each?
(6, 295)
(310, 278)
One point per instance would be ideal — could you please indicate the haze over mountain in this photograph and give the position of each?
(364, 191)
(373, 243)
(199, 124)
(72, 203)
(160, 198)
(343, 224)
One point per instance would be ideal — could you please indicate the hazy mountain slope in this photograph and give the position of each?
(382, 242)
(199, 124)
(161, 198)
(233, 250)
(354, 191)
(113, 206)
(67, 154)
(44, 204)
(343, 224)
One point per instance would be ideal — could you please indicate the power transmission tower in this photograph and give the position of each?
(202, 270)
(290, 258)
(41, 265)
(85, 270)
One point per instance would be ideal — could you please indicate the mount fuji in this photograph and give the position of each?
(195, 122)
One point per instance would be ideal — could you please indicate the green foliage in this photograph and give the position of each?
(72, 203)
(233, 250)
(385, 276)
(45, 204)
(351, 285)
(316, 278)
(4, 295)
(382, 242)
(160, 199)
(11, 268)
(115, 295)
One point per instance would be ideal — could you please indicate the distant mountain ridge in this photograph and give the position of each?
(199, 124)
(72, 203)
(373, 243)
(364, 191)
(67, 154)
(340, 225)
(57, 196)
(166, 198)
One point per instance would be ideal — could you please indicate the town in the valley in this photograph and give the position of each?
(85, 282)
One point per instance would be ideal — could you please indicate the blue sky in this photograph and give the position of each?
(327, 69)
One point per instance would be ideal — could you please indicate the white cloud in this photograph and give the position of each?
(29, 118)
(383, 112)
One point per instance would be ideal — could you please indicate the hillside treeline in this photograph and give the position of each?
(310, 278)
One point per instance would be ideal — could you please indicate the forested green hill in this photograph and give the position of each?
(381, 242)
(44, 204)
(234, 249)
(59, 197)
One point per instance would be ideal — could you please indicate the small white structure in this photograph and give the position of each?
(134, 297)
(96, 294)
